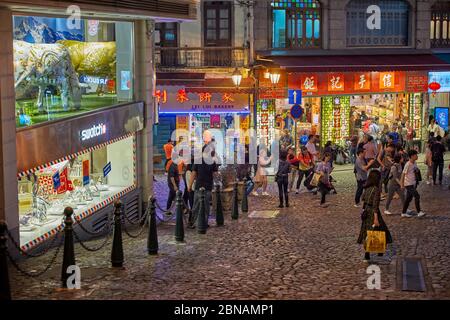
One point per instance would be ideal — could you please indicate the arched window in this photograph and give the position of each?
(367, 26)
(440, 25)
(296, 24)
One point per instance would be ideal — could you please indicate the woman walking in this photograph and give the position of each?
(282, 179)
(261, 173)
(394, 183)
(371, 217)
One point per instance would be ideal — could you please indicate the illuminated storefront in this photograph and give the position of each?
(439, 96)
(196, 110)
(77, 123)
(350, 101)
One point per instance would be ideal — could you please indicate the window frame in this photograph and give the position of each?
(289, 12)
(394, 24)
(440, 10)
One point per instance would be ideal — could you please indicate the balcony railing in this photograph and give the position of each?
(208, 57)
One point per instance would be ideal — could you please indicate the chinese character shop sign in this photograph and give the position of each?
(182, 100)
(330, 83)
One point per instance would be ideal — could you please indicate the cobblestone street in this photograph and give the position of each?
(306, 252)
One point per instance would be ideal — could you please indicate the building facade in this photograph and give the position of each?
(195, 62)
(354, 62)
(77, 109)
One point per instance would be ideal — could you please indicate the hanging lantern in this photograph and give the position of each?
(434, 86)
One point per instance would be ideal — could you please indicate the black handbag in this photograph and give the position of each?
(418, 175)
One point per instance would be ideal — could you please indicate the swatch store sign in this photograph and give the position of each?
(93, 132)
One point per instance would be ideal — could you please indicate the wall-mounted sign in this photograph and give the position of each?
(93, 132)
(441, 116)
(443, 78)
(331, 83)
(175, 99)
(417, 81)
(336, 82)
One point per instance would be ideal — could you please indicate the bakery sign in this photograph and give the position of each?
(176, 99)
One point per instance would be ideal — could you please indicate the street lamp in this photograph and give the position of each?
(275, 76)
(237, 77)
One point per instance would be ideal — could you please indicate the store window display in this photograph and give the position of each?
(63, 70)
(82, 182)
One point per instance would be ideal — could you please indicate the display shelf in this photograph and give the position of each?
(30, 239)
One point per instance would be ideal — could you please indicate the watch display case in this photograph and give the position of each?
(85, 182)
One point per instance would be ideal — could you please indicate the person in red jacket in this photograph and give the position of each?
(305, 166)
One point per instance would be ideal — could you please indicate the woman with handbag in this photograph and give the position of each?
(371, 215)
(282, 179)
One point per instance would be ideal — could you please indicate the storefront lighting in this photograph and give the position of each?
(266, 74)
(275, 76)
(236, 77)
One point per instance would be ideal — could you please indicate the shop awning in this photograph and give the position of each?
(404, 62)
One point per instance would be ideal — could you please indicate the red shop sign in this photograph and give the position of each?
(417, 81)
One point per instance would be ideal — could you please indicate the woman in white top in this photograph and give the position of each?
(261, 173)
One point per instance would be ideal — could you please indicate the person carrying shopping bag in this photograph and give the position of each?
(371, 215)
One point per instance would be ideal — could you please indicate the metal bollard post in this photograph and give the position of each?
(179, 228)
(5, 289)
(235, 208)
(219, 208)
(152, 240)
(244, 204)
(69, 250)
(117, 246)
(202, 224)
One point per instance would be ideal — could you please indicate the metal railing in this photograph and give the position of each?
(186, 57)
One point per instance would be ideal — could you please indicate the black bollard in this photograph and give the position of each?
(117, 246)
(244, 204)
(202, 222)
(235, 208)
(5, 289)
(152, 240)
(218, 208)
(69, 250)
(179, 228)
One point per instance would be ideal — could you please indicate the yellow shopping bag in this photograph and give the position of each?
(315, 179)
(375, 242)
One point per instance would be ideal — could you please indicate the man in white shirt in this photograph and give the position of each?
(311, 146)
(408, 180)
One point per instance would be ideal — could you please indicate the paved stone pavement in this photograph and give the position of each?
(306, 252)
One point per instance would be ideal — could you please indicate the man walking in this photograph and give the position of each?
(168, 149)
(173, 181)
(203, 175)
(437, 154)
(410, 182)
(311, 147)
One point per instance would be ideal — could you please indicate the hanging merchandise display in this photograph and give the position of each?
(415, 114)
(335, 120)
(266, 121)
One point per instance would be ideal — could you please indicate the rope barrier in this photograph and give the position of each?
(85, 247)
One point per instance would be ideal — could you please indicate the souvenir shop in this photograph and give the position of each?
(351, 101)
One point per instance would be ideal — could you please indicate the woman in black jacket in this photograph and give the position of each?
(282, 178)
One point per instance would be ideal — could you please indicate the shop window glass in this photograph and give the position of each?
(279, 29)
(62, 71)
(82, 185)
(302, 19)
(394, 23)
